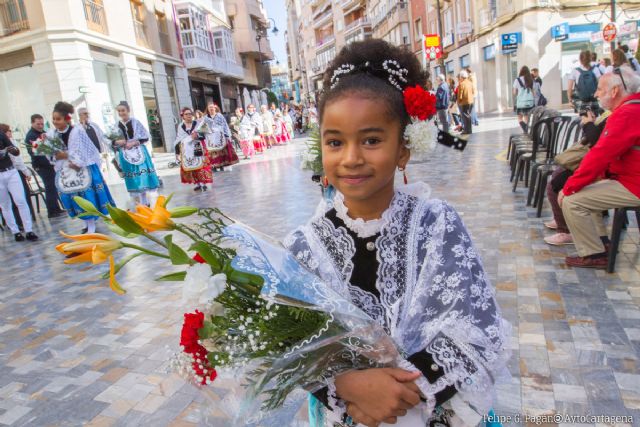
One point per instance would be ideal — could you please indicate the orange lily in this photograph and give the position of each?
(158, 219)
(93, 248)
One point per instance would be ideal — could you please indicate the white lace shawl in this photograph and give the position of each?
(181, 134)
(139, 131)
(249, 124)
(218, 122)
(434, 293)
(81, 150)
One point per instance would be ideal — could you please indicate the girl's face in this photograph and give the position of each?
(59, 121)
(211, 109)
(123, 113)
(361, 148)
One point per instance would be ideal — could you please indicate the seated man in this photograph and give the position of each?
(609, 175)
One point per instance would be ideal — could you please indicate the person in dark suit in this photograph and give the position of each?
(43, 167)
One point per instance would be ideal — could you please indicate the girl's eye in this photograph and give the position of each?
(334, 143)
(371, 141)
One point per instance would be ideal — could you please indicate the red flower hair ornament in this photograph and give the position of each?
(421, 133)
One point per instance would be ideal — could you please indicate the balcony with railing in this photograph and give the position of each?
(362, 22)
(323, 18)
(196, 57)
(13, 17)
(326, 41)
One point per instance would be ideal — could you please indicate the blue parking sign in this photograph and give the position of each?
(510, 41)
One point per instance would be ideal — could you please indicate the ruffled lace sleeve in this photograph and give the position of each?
(454, 304)
(139, 132)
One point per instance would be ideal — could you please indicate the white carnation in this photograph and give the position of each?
(422, 136)
(201, 285)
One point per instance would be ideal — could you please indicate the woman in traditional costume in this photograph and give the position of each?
(288, 120)
(221, 132)
(250, 126)
(404, 258)
(280, 129)
(191, 151)
(138, 170)
(266, 132)
(78, 167)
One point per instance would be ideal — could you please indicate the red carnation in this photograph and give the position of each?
(419, 103)
(189, 339)
(198, 258)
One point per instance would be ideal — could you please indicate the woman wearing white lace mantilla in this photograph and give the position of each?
(405, 259)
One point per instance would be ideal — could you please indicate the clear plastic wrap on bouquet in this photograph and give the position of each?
(267, 391)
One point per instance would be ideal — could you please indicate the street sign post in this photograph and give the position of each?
(609, 32)
(431, 47)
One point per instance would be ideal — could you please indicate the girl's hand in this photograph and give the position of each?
(379, 393)
(194, 135)
(74, 167)
(359, 417)
(61, 155)
(120, 142)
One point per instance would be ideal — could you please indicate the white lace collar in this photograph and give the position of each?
(363, 229)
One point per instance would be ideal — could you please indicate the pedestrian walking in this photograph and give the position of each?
(139, 172)
(250, 126)
(96, 135)
(465, 101)
(443, 97)
(633, 62)
(582, 85)
(191, 151)
(474, 108)
(540, 99)
(43, 167)
(266, 132)
(524, 93)
(234, 125)
(11, 187)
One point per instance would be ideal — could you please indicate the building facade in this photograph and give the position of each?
(473, 34)
(251, 27)
(209, 54)
(317, 30)
(94, 54)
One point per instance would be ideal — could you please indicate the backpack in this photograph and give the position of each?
(586, 85)
(525, 97)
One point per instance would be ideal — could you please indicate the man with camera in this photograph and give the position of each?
(609, 175)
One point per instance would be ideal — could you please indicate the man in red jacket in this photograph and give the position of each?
(609, 175)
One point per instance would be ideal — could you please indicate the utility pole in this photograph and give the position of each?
(613, 19)
(441, 34)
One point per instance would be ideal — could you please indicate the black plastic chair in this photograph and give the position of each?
(620, 219)
(543, 136)
(525, 145)
(535, 115)
(563, 128)
(36, 189)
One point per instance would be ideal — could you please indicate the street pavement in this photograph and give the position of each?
(74, 353)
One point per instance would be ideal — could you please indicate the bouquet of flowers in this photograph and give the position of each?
(48, 145)
(203, 128)
(266, 321)
(114, 134)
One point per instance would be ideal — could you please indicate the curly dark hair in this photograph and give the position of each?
(63, 108)
(370, 79)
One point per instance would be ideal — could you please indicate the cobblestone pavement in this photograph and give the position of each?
(74, 353)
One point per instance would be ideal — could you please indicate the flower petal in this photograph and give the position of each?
(81, 257)
(113, 283)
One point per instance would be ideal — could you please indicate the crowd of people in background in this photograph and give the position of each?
(455, 101)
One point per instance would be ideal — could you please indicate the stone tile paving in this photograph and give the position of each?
(73, 353)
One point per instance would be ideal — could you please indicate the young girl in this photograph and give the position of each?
(139, 172)
(81, 156)
(288, 120)
(191, 150)
(218, 124)
(405, 259)
(525, 90)
(268, 140)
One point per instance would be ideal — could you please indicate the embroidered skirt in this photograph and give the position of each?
(97, 193)
(139, 178)
(225, 157)
(198, 176)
